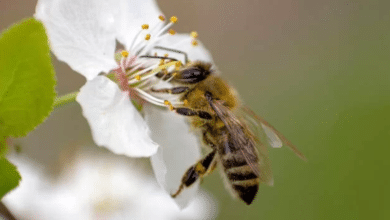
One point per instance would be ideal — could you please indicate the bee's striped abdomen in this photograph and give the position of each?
(239, 170)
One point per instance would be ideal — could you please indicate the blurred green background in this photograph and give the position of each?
(319, 71)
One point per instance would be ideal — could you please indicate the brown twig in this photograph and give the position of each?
(5, 213)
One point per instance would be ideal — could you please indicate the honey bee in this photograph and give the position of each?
(227, 127)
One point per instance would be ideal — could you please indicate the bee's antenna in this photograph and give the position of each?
(175, 51)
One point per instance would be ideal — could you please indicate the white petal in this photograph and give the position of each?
(182, 42)
(132, 14)
(179, 150)
(98, 185)
(81, 33)
(37, 196)
(114, 121)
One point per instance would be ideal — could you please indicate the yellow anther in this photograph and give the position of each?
(178, 65)
(169, 104)
(194, 43)
(147, 37)
(172, 32)
(162, 62)
(173, 19)
(155, 54)
(185, 102)
(138, 77)
(161, 17)
(200, 169)
(194, 34)
(125, 53)
(166, 55)
(145, 26)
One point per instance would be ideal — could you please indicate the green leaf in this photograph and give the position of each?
(3, 145)
(9, 176)
(27, 78)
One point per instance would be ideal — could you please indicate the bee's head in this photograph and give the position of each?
(195, 73)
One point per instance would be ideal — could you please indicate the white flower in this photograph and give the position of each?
(98, 186)
(83, 33)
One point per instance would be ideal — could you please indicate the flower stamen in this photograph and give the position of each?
(173, 76)
(155, 69)
(169, 104)
(140, 73)
(194, 34)
(124, 53)
(194, 43)
(162, 62)
(143, 27)
(153, 99)
(161, 17)
(178, 64)
(173, 19)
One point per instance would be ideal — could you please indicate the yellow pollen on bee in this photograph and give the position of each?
(124, 53)
(178, 65)
(194, 43)
(161, 17)
(145, 26)
(173, 19)
(194, 34)
(138, 77)
(147, 37)
(185, 102)
(172, 32)
(199, 168)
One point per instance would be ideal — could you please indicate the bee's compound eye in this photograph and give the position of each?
(193, 75)
(190, 72)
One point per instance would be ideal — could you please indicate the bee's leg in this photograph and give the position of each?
(174, 90)
(202, 168)
(190, 112)
(175, 51)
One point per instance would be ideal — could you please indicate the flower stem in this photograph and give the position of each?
(4, 212)
(65, 99)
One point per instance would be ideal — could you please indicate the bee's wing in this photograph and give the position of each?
(244, 141)
(275, 138)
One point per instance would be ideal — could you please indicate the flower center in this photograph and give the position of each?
(139, 71)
